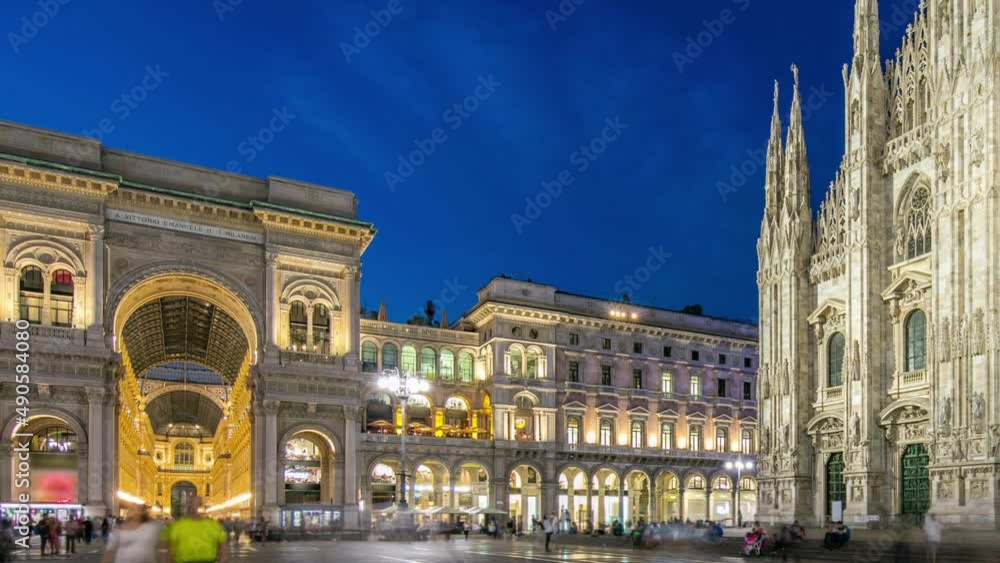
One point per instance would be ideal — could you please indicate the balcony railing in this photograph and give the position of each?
(289, 357)
(832, 394)
(46, 332)
(913, 378)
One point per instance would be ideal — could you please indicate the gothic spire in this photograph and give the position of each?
(866, 32)
(775, 158)
(796, 158)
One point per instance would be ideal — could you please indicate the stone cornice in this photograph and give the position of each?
(486, 310)
(313, 226)
(77, 184)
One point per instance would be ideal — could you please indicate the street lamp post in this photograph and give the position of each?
(403, 385)
(739, 465)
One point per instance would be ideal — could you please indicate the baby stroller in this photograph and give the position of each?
(756, 545)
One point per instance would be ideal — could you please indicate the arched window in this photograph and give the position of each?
(298, 325)
(409, 359)
(184, 454)
(369, 357)
(379, 409)
(321, 329)
(303, 471)
(748, 484)
(667, 436)
(62, 298)
(607, 432)
(721, 440)
(747, 443)
(916, 341)
(428, 363)
(32, 294)
(465, 367)
(694, 436)
(54, 439)
(722, 484)
(456, 412)
(390, 356)
(638, 434)
(915, 232)
(573, 430)
(447, 365)
(835, 360)
(531, 369)
(515, 362)
(524, 415)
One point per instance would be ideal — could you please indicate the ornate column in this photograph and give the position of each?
(12, 281)
(282, 336)
(95, 278)
(590, 506)
(270, 410)
(47, 298)
(95, 452)
(79, 318)
(350, 309)
(352, 428)
(310, 342)
(708, 501)
(682, 509)
(274, 306)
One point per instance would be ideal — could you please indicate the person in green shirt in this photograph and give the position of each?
(195, 539)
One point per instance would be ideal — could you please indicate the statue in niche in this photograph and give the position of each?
(945, 413)
(856, 429)
(978, 410)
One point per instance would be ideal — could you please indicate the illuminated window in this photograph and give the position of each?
(638, 434)
(465, 367)
(667, 436)
(694, 438)
(390, 356)
(573, 431)
(428, 363)
(184, 454)
(54, 439)
(532, 365)
(607, 432)
(515, 362)
(666, 383)
(321, 329)
(721, 440)
(32, 294)
(409, 359)
(369, 357)
(447, 365)
(62, 298)
(298, 325)
(747, 442)
(695, 386)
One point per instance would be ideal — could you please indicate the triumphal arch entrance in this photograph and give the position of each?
(189, 332)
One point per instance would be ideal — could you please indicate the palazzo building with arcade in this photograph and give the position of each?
(879, 332)
(196, 332)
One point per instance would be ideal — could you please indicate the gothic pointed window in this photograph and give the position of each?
(835, 360)
(915, 230)
(916, 342)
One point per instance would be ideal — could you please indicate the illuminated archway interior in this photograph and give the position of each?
(184, 424)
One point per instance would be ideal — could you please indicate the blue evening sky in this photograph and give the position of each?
(450, 222)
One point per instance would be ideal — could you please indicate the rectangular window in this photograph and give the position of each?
(667, 436)
(723, 387)
(573, 431)
(696, 386)
(695, 356)
(722, 359)
(637, 347)
(747, 363)
(31, 308)
(607, 429)
(637, 379)
(747, 391)
(62, 311)
(574, 339)
(606, 344)
(606, 375)
(666, 383)
(721, 440)
(667, 351)
(574, 372)
(638, 434)
(695, 438)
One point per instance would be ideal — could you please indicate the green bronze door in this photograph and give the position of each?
(836, 490)
(916, 481)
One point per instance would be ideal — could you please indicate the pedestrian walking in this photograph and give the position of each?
(195, 539)
(549, 527)
(135, 540)
(72, 534)
(88, 530)
(42, 530)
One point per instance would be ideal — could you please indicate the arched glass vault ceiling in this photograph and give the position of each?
(184, 372)
(182, 328)
(184, 413)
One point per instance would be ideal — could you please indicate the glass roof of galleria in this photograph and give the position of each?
(185, 372)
